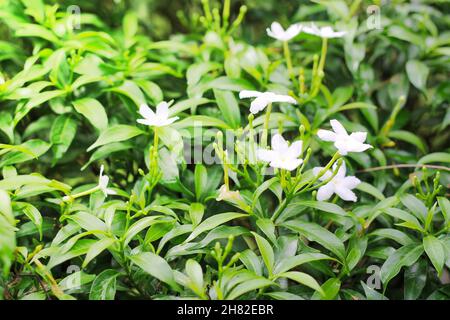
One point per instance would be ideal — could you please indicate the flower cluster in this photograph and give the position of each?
(276, 31)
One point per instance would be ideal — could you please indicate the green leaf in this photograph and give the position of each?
(368, 188)
(415, 279)
(402, 33)
(411, 220)
(201, 179)
(62, 133)
(93, 110)
(227, 103)
(403, 257)
(417, 73)
(316, 233)
(5, 207)
(302, 278)
(435, 251)
(35, 148)
(35, 30)
(138, 227)
(263, 187)
(196, 211)
(200, 121)
(213, 222)
(266, 252)
(186, 104)
(195, 72)
(435, 157)
(396, 235)
(34, 215)
(295, 261)
(247, 286)
(76, 280)
(130, 27)
(415, 206)
(8, 241)
(35, 101)
(35, 8)
(330, 288)
(131, 90)
(156, 267)
(106, 150)
(104, 285)
(96, 249)
(444, 205)
(88, 221)
(268, 228)
(195, 274)
(116, 133)
(408, 137)
(372, 294)
(323, 206)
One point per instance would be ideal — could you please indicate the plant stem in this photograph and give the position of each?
(323, 54)
(287, 55)
(265, 132)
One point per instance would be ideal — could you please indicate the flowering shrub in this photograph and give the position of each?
(204, 156)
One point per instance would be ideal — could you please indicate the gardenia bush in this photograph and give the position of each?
(224, 150)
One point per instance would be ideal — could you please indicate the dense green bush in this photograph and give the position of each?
(141, 159)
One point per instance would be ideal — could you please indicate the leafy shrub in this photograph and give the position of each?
(148, 152)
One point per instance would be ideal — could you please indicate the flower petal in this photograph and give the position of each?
(350, 182)
(258, 104)
(290, 164)
(103, 182)
(283, 98)
(110, 191)
(162, 110)
(327, 175)
(342, 170)
(277, 29)
(295, 149)
(338, 127)
(265, 155)
(293, 31)
(146, 112)
(325, 192)
(346, 194)
(359, 136)
(362, 147)
(145, 121)
(249, 94)
(326, 135)
(279, 144)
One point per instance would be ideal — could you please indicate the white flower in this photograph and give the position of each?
(342, 140)
(324, 32)
(263, 99)
(282, 155)
(276, 31)
(103, 183)
(340, 184)
(158, 119)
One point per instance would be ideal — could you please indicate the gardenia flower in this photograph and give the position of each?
(103, 183)
(340, 184)
(342, 140)
(324, 32)
(282, 155)
(158, 119)
(263, 99)
(276, 31)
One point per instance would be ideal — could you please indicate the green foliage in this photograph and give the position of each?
(166, 225)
